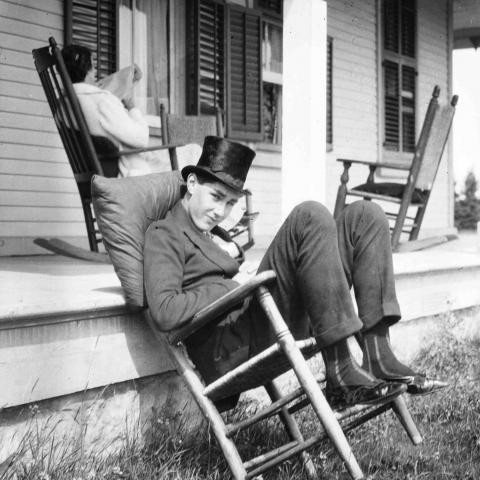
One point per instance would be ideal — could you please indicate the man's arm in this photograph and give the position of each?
(164, 264)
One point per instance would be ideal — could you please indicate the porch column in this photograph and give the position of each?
(304, 102)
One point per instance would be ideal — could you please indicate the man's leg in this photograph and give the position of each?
(364, 245)
(313, 295)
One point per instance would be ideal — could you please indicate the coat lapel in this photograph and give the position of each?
(207, 246)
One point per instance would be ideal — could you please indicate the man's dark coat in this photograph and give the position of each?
(184, 271)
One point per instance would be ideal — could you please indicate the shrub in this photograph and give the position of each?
(467, 206)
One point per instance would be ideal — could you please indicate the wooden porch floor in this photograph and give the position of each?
(37, 286)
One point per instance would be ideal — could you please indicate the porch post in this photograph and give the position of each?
(304, 102)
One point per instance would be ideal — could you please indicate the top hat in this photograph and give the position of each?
(223, 161)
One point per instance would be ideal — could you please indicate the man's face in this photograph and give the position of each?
(209, 203)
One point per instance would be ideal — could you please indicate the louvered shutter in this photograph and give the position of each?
(391, 22)
(92, 23)
(392, 107)
(399, 43)
(244, 74)
(408, 27)
(329, 90)
(205, 57)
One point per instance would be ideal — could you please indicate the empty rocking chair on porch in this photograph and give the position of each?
(413, 193)
(128, 206)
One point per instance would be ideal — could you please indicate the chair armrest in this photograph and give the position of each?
(395, 166)
(220, 306)
(140, 150)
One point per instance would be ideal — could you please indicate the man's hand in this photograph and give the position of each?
(246, 272)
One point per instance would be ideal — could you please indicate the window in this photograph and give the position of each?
(143, 40)
(196, 56)
(234, 62)
(399, 74)
(272, 66)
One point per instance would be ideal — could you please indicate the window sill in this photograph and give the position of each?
(267, 147)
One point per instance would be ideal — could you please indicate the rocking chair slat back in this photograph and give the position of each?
(432, 155)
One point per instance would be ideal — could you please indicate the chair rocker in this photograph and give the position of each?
(117, 199)
(414, 193)
(87, 154)
(182, 129)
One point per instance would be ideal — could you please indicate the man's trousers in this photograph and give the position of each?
(317, 261)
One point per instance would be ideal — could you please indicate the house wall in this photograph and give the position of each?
(356, 124)
(38, 196)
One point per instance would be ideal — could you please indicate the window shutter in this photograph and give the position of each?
(205, 57)
(92, 23)
(391, 25)
(329, 90)
(408, 30)
(244, 75)
(392, 107)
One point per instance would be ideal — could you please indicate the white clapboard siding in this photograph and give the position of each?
(15, 135)
(352, 25)
(25, 106)
(23, 121)
(40, 229)
(41, 199)
(37, 183)
(41, 214)
(46, 14)
(31, 152)
(35, 167)
(38, 195)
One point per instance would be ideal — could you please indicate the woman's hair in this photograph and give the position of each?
(78, 60)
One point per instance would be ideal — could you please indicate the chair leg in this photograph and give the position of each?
(209, 411)
(309, 384)
(293, 431)
(342, 190)
(418, 222)
(400, 408)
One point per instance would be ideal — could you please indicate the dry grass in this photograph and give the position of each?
(449, 421)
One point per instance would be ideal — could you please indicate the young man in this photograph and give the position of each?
(190, 262)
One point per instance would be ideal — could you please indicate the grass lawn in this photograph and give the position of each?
(449, 421)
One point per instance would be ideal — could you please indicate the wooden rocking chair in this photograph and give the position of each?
(130, 212)
(87, 154)
(415, 192)
(182, 129)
